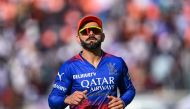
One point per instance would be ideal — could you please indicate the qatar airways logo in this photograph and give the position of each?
(99, 83)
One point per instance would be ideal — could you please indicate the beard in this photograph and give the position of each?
(91, 45)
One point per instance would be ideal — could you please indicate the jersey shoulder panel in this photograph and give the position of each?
(68, 64)
(113, 57)
(74, 59)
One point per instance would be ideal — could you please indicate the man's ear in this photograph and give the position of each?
(103, 37)
(78, 39)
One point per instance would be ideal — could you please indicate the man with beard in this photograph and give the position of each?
(90, 79)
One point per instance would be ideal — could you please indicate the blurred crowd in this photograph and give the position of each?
(37, 36)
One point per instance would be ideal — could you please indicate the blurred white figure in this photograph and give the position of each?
(147, 102)
(184, 103)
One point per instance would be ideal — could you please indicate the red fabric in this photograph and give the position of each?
(87, 19)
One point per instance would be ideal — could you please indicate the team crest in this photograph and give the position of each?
(112, 69)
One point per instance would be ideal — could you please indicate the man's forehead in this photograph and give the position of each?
(91, 24)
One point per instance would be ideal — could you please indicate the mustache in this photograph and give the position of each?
(91, 38)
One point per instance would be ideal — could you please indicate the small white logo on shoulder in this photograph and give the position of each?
(60, 75)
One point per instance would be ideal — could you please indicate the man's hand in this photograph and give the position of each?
(115, 103)
(76, 98)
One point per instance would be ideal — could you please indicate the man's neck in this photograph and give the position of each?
(92, 57)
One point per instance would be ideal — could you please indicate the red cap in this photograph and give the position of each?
(87, 19)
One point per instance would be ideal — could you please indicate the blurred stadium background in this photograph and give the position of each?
(152, 36)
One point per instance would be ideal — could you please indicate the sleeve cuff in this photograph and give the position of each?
(124, 105)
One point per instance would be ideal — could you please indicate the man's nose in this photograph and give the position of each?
(91, 32)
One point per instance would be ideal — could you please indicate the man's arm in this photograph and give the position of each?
(61, 88)
(127, 90)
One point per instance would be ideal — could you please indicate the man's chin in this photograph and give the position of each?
(91, 46)
(92, 43)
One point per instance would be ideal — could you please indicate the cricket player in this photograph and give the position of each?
(90, 79)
